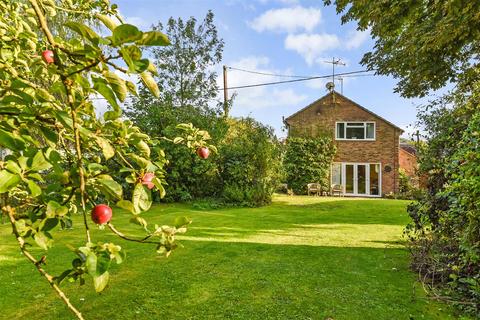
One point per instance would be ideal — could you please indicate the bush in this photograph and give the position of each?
(249, 163)
(445, 228)
(308, 160)
(407, 189)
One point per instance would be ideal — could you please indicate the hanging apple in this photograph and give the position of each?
(147, 180)
(47, 56)
(101, 214)
(203, 152)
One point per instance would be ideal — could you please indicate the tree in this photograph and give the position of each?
(185, 74)
(187, 77)
(426, 44)
(249, 163)
(308, 160)
(59, 152)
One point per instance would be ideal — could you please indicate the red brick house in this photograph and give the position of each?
(367, 159)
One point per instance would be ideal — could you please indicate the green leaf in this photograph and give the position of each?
(63, 276)
(127, 205)
(111, 188)
(107, 21)
(139, 220)
(143, 148)
(11, 141)
(181, 221)
(8, 180)
(131, 88)
(153, 38)
(84, 31)
(13, 167)
(107, 149)
(103, 262)
(54, 209)
(42, 240)
(102, 87)
(141, 65)
(152, 68)
(39, 162)
(35, 190)
(125, 33)
(141, 198)
(158, 183)
(150, 83)
(91, 263)
(49, 224)
(101, 281)
(111, 115)
(117, 84)
(49, 134)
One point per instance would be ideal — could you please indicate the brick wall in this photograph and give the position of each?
(408, 162)
(320, 118)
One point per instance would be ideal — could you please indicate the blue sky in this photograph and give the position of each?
(283, 37)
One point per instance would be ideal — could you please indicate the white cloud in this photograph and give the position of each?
(259, 97)
(287, 20)
(356, 38)
(311, 46)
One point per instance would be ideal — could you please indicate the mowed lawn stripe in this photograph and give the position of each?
(299, 258)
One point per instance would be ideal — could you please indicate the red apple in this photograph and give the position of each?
(203, 152)
(101, 214)
(147, 180)
(47, 56)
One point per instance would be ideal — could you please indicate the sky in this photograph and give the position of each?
(288, 37)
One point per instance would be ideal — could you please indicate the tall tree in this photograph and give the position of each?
(186, 75)
(188, 83)
(424, 43)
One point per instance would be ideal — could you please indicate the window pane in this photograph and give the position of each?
(370, 130)
(340, 130)
(374, 174)
(355, 124)
(349, 178)
(337, 173)
(355, 133)
(361, 179)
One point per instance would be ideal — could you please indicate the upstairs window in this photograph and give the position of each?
(355, 131)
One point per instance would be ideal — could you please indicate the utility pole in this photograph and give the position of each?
(418, 139)
(225, 92)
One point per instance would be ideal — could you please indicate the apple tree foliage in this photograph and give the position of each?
(57, 148)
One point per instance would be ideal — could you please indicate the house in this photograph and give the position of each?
(408, 162)
(367, 158)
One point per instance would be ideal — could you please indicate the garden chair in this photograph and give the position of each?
(336, 189)
(314, 188)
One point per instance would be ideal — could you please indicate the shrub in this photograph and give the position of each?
(445, 228)
(249, 163)
(308, 160)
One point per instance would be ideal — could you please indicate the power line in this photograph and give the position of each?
(268, 74)
(294, 80)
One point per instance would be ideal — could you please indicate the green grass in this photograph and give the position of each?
(299, 258)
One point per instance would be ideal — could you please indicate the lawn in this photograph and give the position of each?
(299, 258)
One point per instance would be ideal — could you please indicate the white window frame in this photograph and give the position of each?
(367, 174)
(360, 124)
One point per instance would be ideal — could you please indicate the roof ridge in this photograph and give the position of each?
(350, 100)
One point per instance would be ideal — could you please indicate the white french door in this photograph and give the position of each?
(358, 179)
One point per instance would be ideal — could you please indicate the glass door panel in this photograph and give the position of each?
(374, 179)
(361, 179)
(349, 178)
